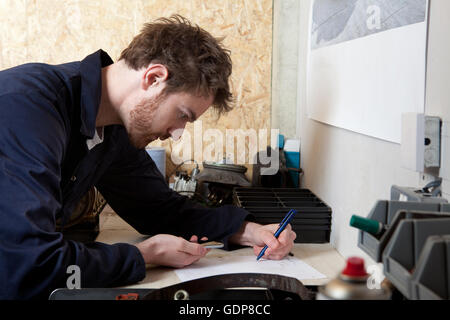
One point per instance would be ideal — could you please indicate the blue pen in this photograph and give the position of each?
(287, 218)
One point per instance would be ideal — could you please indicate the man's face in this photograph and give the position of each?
(164, 116)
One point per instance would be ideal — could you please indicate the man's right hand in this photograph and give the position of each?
(171, 251)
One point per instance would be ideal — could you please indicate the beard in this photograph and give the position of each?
(141, 120)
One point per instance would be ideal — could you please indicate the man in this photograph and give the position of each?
(66, 128)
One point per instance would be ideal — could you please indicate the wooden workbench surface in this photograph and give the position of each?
(322, 257)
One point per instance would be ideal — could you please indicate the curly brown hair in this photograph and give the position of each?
(196, 61)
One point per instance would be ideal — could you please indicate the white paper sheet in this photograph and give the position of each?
(210, 266)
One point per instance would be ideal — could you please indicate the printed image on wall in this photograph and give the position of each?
(337, 21)
(367, 64)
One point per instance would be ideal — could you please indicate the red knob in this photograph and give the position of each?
(355, 267)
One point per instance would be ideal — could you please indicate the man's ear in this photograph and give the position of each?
(154, 75)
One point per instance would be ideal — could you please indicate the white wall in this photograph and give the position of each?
(350, 171)
(285, 66)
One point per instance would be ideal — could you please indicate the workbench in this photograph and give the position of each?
(323, 257)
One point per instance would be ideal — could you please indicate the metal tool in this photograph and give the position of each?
(236, 280)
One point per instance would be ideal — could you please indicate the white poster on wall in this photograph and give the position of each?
(367, 64)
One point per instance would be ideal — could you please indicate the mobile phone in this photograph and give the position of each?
(212, 245)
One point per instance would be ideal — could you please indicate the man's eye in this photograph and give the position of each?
(183, 116)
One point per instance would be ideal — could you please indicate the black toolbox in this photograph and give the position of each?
(312, 223)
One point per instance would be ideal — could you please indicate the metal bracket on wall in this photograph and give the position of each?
(430, 193)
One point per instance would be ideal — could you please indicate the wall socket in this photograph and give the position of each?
(421, 141)
(444, 170)
(432, 151)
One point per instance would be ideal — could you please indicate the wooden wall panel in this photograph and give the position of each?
(53, 31)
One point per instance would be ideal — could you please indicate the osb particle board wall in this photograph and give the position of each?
(54, 31)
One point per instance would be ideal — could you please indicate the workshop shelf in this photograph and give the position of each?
(390, 213)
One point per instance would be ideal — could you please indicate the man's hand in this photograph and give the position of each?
(257, 236)
(171, 251)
